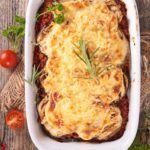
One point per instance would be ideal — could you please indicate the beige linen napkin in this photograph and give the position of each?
(12, 95)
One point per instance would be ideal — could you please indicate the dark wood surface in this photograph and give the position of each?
(8, 9)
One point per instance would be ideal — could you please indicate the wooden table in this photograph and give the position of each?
(8, 9)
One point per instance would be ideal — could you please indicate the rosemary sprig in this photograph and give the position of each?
(86, 57)
(35, 75)
(101, 70)
(57, 7)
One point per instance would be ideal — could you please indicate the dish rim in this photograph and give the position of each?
(37, 136)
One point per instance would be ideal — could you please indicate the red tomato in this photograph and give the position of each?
(8, 59)
(3, 146)
(15, 119)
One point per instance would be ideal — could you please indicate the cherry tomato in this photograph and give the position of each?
(8, 59)
(15, 119)
(3, 146)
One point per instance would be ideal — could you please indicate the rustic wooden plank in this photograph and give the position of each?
(144, 14)
(19, 140)
(5, 11)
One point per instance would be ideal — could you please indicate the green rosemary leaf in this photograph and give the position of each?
(79, 56)
(35, 75)
(76, 46)
(83, 49)
(93, 54)
(85, 58)
(101, 70)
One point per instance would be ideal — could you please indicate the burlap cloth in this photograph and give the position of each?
(12, 94)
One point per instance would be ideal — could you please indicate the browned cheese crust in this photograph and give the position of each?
(40, 60)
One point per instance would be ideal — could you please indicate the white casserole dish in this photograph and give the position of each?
(42, 141)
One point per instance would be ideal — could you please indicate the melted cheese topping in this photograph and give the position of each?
(75, 104)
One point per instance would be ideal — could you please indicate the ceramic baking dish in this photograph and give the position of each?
(44, 142)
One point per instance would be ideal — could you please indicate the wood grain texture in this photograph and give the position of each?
(20, 140)
(144, 14)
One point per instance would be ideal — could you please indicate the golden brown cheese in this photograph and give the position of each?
(86, 119)
(82, 105)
